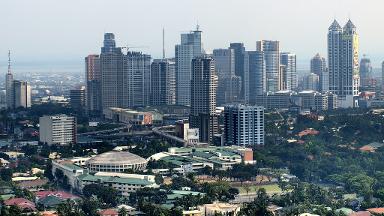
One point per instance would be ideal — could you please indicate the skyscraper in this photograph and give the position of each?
(239, 51)
(203, 98)
(343, 63)
(9, 83)
(319, 67)
(272, 63)
(77, 97)
(244, 125)
(382, 75)
(254, 75)
(93, 84)
(125, 78)
(21, 94)
(58, 129)
(365, 72)
(229, 85)
(189, 48)
(290, 73)
(311, 82)
(163, 82)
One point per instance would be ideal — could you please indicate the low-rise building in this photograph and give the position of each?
(128, 116)
(123, 183)
(219, 208)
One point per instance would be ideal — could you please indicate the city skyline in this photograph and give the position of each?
(83, 37)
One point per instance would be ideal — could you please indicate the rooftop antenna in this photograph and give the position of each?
(197, 25)
(163, 44)
(9, 62)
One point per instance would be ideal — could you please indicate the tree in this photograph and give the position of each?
(6, 174)
(90, 206)
(258, 207)
(107, 195)
(123, 212)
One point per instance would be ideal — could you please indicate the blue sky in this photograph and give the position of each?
(67, 30)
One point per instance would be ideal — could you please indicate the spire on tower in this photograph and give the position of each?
(9, 62)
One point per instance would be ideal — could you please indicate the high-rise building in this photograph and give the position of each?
(189, 48)
(288, 60)
(163, 82)
(93, 84)
(343, 63)
(365, 72)
(21, 94)
(319, 67)
(58, 129)
(382, 74)
(9, 83)
(254, 75)
(229, 85)
(244, 125)
(272, 63)
(77, 97)
(318, 64)
(203, 98)
(239, 51)
(125, 78)
(311, 82)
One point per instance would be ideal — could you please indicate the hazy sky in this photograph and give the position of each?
(68, 30)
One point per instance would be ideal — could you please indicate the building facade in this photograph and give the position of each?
(319, 67)
(21, 94)
(78, 98)
(189, 48)
(93, 84)
(254, 75)
(343, 63)
(203, 98)
(239, 51)
(289, 80)
(58, 130)
(163, 82)
(244, 125)
(271, 52)
(365, 72)
(229, 85)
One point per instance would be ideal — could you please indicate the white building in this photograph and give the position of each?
(58, 129)
(288, 60)
(343, 48)
(244, 125)
(189, 48)
(21, 94)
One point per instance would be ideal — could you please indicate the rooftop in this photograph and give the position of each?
(114, 179)
(116, 157)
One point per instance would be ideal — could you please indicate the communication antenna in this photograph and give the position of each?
(163, 44)
(9, 62)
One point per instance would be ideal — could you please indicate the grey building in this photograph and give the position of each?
(319, 67)
(9, 84)
(289, 80)
(163, 82)
(311, 82)
(77, 97)
(343, 63)
(254, 75)
(239, 51)
(272, 63)
(125, 78)
(58, 129)
(229, 85)
(244, 125)
(203, 98)
(189, 48)
(365, 72)
(21, 94)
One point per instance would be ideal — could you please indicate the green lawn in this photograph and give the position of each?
(271, 189)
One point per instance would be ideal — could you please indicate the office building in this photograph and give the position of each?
(229, 85)
(58, 130)
(254, 75)
(272, 63)
(365, 72)
(203, 98)
(343, 63)
(77, 97)
(244, 125)
(382, 75)
(319, 67)
(239, 51)
(163, 82)
(125, 78)
(21, 94)
(311, 82)
(93, 84)
(289, 78)
(189, 48)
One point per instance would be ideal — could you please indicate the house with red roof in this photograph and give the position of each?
(108, 212)
(21, 203)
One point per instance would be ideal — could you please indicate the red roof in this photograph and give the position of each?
(376, 210)
(108, 212)
(360, 213)
(21, 203)
(59, 194)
